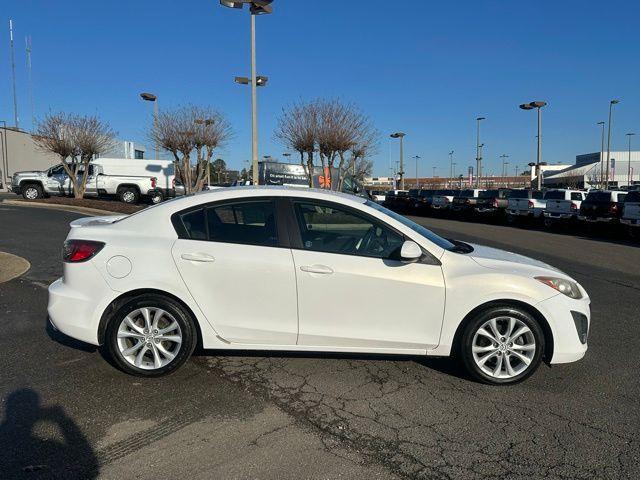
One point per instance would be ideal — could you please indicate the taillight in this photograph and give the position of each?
(574, 206)
(530, 204)
(173, 183)
(76, 251)
(153, 182)
(446, 200)
(495, 203)
(468, 202)
(613, 208)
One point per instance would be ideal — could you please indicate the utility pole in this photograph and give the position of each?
(16, 119)
(629, 135)
(601, 182)
(504, 167)
(27, 41)
(478, 153)
(401, 136)
(606, 181)
(451, 167)
(417, 157)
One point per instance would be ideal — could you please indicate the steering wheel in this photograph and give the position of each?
(372, 242)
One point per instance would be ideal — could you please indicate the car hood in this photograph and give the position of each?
(29, 172)
(508, 261)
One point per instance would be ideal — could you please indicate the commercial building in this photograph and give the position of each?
(589, 171)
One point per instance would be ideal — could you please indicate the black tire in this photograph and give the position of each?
(511, 219)
(466, 343)
(31, 191)
(184, 319)
(156, 198)
(128, 195)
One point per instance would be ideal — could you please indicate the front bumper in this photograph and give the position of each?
(567, 319)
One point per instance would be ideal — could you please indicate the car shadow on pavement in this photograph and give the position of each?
(42, 442)
(67, 341)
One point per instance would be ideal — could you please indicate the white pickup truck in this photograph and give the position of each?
(562, 206)
(55, 181)
(442, 201)
(525, 204)
(631, 213)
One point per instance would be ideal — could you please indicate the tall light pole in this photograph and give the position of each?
(530, 106)
(602, 124)
(16, 118)
(606, 180)
(400, 135)
(434, 171)
(256, 7)
(504, 164)
(150, 97)
(451, 165)
(478, 152)
(453, 174)
(417, 157)
(286, 155)
(629, 135)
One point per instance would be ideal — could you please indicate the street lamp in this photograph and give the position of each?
(602, 154)
(478, 152)
(630, 134)
(150, 97)
(256, 7)
(453, 173)
(504, 168)
(451, 165)
(286, 155)
(400, 135)
(606, 181)
(417, 157)
(530, 106)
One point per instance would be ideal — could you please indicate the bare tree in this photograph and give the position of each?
(76, 140)
(185, 130)
(297, 130)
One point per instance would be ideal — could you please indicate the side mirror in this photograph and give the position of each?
(410, 251)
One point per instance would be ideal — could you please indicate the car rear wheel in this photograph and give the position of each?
(502, 345)
(150, 336)
(32, 191)
(128, 195)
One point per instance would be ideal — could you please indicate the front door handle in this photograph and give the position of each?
(321, 269)
(197, 257)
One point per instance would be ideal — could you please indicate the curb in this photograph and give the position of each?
(68, 208)
(12, 266)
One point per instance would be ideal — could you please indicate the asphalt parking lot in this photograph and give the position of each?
(66, 413)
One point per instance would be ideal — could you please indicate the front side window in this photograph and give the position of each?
(325, 228)
(576, 196)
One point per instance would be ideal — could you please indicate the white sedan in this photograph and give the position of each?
(273, 268)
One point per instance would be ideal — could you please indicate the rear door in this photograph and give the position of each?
(234, 259)
(351, 292)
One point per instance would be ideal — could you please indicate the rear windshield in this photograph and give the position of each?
(554, 195)
(402, 194)
(466, 193)
(414, 192)
(519, 194)
(599, 197)
(427, 193)
(445, 193)
(489, 194)
(632, 197)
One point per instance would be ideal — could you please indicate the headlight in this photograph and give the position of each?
(569, 288)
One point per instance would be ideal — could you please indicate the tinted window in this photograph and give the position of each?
(633, 197)
(59, 170)
(538, 195)
(599, 197)
(576, 196)
(621, 197)
(488, 194)
(427, 193)
(554, 195)
(328, 229)
(466, 193)
(249, 223)
(414, 192)
(519, 194)
(195, 225)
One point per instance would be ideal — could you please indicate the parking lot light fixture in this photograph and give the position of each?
(451, 164)
(256, 7)
(629, 135)
(478, 152)
(150, 97)
(401, 136)
(417, 157)
(606, 178)
(601, 182)
(530, 106)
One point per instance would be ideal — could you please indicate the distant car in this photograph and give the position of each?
(525, 204)
(396, 199)
(492, 203)
(442, 200)
(631, 213)
(562, 206)
(378, 195)
(465, 201)
(422, 204)
(602, 206)
(326, 272)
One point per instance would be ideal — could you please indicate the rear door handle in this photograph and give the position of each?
(197, 257)
(321, 269)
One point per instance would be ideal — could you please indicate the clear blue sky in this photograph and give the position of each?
(426, 68)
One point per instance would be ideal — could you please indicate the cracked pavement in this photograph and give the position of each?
(279, 415)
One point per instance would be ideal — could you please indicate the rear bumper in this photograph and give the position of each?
(560, 216)
(631, 222)
(597, 219)
(566, 318)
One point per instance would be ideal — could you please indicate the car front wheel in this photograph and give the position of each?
(150, 336)
(502, 345)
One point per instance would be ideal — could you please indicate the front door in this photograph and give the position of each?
(232, 262)
(352, 294)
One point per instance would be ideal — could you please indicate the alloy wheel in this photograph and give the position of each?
(149, 338)
(31, 193)
(503, 347)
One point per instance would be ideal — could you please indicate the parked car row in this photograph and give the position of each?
(550, 207)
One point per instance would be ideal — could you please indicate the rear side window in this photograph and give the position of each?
(195, 224)
(248, 223)
(576, 196)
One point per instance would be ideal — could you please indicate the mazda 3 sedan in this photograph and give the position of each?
(272, 268)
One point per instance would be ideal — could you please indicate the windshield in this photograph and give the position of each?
(425, 232)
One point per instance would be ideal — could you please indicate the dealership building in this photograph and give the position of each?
(589, 171)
